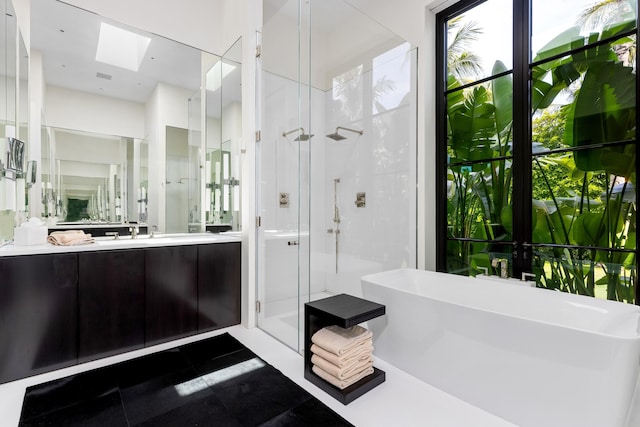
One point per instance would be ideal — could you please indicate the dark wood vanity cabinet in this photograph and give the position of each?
(171, 293)
(219, 285)
(57, 310)
(37, 314)
(110, 302)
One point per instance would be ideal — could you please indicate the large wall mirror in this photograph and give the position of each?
(14, 124)
(126, 135)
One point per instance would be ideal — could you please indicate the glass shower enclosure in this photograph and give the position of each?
(336, 179)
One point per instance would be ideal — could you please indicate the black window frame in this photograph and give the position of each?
(522, 127)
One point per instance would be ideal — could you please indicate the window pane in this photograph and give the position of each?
(479, 202)
(473, 258)
(573, 20)
(347, 96)
(480, 120)
(603, 274)
(585, 98)
(475, 42)
(574, 207)
(391, 78)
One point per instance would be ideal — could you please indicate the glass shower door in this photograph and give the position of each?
(283, 159)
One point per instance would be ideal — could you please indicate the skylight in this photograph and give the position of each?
(121, 48)
(217, 73)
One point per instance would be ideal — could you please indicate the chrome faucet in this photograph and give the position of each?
(154, 228)
(504, 266)
(134, 230)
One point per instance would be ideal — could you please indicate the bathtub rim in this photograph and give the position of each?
(628, 308)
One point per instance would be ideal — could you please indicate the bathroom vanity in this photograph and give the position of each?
(60, 306)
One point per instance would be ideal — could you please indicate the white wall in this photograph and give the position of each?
(70, 109)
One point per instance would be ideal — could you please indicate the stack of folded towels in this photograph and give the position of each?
(70, 238)
(342, 356)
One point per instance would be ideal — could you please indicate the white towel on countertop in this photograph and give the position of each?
(341, 384)
(70, 238)
(362, 351)
(339, 340)
(342, 373)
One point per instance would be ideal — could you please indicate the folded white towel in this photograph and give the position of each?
(342, 373)
(70, 238)
(339, 340)
(341, 384)
(360, 352)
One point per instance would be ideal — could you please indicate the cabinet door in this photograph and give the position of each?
(38, 308)
(111, 302)
(171, 293)
(218, 285)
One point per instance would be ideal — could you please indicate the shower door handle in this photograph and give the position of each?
(293, 243)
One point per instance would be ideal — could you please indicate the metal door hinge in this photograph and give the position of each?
(258, 307)
(258, 136)
(258, 221)
(258, 51)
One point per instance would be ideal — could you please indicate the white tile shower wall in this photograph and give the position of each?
(381, 163)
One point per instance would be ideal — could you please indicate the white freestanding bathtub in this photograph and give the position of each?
(531, 356)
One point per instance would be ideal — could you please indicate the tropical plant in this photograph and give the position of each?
(582, 209)
(462, 63)
(601, 115)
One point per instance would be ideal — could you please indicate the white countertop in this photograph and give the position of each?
(124, 242)
(88, 225)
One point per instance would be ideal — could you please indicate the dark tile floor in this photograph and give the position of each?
(214, 382)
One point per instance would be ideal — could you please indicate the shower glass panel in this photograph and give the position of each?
(283, 155)
(337, 157)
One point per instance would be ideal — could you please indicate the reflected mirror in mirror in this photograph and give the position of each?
(84, 178)
(223, 140)
(100, 98)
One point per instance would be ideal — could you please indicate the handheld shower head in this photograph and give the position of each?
(337, 137)
(302, 137)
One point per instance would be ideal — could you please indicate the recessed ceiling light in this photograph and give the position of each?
(121, 48)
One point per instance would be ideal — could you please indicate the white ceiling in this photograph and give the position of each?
(67, 37)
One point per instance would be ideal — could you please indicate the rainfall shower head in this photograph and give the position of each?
(302, 137)
(337, 137)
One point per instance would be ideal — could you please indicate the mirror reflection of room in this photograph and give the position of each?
(107, 140)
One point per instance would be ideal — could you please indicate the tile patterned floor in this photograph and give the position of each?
(214, 382)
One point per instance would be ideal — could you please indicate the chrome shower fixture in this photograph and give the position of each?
(337, 137)
(302, 137)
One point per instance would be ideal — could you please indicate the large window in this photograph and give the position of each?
(537, 142)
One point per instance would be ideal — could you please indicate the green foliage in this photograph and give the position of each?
(576, 200)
